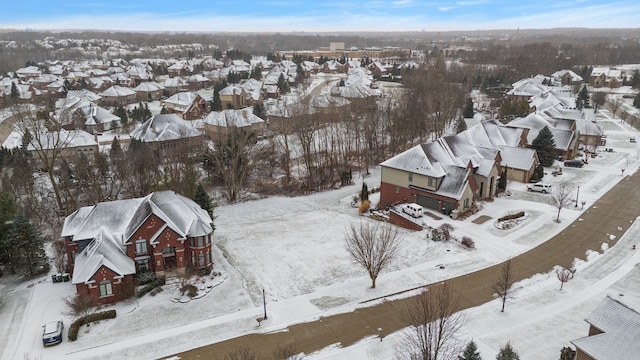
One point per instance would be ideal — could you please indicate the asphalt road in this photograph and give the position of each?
(611, 214)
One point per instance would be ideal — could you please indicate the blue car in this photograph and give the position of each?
(52, 332)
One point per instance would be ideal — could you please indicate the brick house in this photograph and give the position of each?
(108, 243)
(188, 105)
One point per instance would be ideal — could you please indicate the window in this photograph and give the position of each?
(105, 288)
(200, 241)
(143, 264)
(208, 258)
(141, 246)
(410, 177)
(192, 242)
(193, 259)
(397, 189)
(201, 260)
(432, 182)
(466, 203)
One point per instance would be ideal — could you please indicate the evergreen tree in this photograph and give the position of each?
(164, 110)
(14, 91)
(470, 352)
(567, 353)
(283, 84)
(468, 109)
(121, 112)
(300, 74)
(7, 214)
(258, 110)
(502, 182)
(364, 193)
(545, 146)
(29, 254)
(636, 101)
(583, 98)
(202, 198)
(116, 150)
(507, 353)
(216, 103)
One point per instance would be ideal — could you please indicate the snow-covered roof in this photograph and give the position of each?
(517, 157)
(415, 160)
(117, 91)
(49, 140)
(103, 250)
(233, 118)
(621, 331)
(109, 225)
(559, 74)
(536, 121)
(182, 100)
(326, 101)
(148, 86)
(164, 127)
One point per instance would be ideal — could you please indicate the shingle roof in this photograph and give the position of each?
(164, 127)
(621, 331)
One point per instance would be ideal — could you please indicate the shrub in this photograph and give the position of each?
(512, 216)
(75, 326)
(435, 235)
(205, 271)
(364, 207)
(145, 277)
(147, 288)
(468, 243)
(190, 290)
(445, 231)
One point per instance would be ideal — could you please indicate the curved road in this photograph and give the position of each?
(613, 213)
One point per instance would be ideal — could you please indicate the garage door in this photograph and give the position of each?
(428, 202)
(447, 207)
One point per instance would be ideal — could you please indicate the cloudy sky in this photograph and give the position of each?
(318, 15)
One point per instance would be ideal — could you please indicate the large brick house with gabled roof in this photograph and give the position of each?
(108, 243)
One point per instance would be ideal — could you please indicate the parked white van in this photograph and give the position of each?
(539, 187)
(412, 209)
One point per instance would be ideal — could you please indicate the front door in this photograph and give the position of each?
(169, 257)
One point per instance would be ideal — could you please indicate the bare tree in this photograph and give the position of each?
(59, 249)
(373, 246)
(502, 286)
(563, 275)
(434, 323)
(231, 160)
(561, 197)
(47, 147)
(80, 305)
(614, 104)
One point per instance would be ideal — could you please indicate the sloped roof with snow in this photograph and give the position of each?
(233, 118)
(105, 251)
(536, 121)
(149, 86)
(117, 91)
(182, 100)
(326, 101)
(164, 127)
(559, 74)
(415, 160)
(621, 331)
(517, 157)
(50, 140)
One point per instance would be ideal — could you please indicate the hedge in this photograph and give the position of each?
(513, 216)
(75, 326)
(150, 286)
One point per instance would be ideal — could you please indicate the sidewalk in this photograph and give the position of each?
(613, 213)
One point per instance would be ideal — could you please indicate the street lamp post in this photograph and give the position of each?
(577, 195)
(264, 303)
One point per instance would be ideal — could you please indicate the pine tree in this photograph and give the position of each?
(283, 84)
(461, 125)
(502, 182)
(7, 214)
(567, 353)
(258, 110)
(116, 150)
(468, 109)
(364, 193)
(216, 103)
(507, 353)
(470, 352)
(14, 91)
(202, 198)
(583, 98)
(121, 112)
(29, 254)
(545, 146)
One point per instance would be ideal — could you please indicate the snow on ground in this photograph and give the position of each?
(293, 248)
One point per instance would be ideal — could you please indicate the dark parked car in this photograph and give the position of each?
(52, 332)
(574, 163)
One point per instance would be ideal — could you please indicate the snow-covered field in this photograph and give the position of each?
(293, 248)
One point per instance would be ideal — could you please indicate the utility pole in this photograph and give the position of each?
(577, 195)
